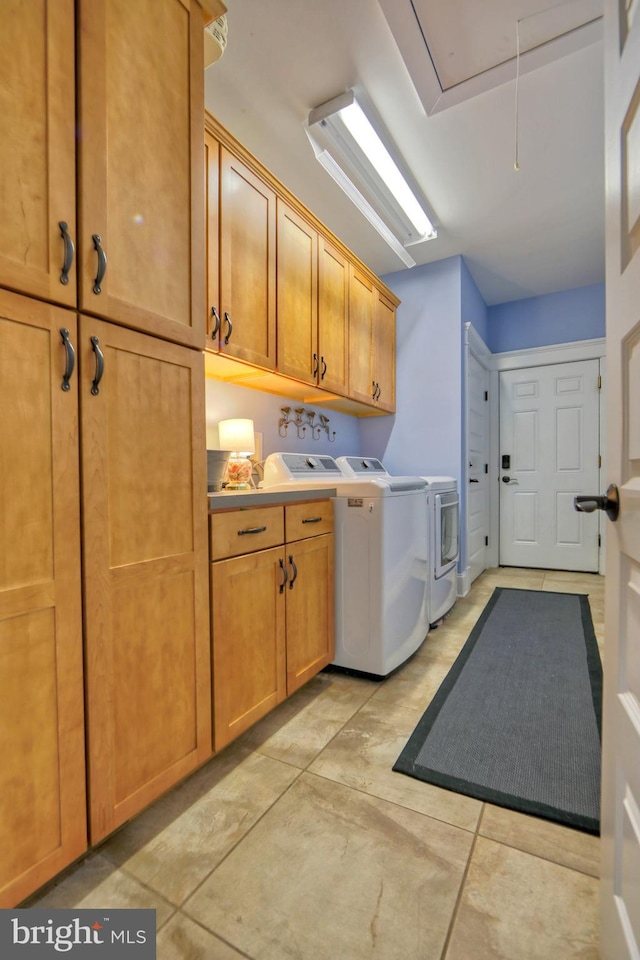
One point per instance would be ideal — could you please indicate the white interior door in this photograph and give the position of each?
(620, 885)
(549, 452)
(478, 463)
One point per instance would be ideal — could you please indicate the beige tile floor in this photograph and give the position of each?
(298, 842)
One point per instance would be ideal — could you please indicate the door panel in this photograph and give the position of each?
(620, 819)
(549, 429)
(333, 317)
(145, 550)
(297, 298)
(361, 306)
(310, 609)
(249, 661)
(38, 170)
(142, 166)
(247, 264)
(42, 774)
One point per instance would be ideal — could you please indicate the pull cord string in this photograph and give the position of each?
(516, 165)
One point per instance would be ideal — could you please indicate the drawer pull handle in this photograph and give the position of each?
(241, 533)
(227, 320)
(70, 360)
(69, 250)
(312, 519)
(286, 575)
(216, 324)
(102, 264)
(95, 346)
(295, 572)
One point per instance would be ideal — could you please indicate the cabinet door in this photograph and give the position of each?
(247, 264)
(297, 301)
(145, 563)
(141, 167)
(310, 608)
(361, 313)
(37, 146)
(248, 636)
(42, 777)
(384, 353)
(212, 211)
(333, 312)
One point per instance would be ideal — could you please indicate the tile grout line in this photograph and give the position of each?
(463, 882)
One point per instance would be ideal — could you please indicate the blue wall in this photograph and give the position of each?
(577, 314)
(424, 435)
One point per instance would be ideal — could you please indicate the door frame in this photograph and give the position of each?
(537, 357)
(475, 346)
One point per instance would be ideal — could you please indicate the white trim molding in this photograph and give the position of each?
(554, 353)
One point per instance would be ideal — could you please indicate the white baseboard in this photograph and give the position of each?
(464, 584)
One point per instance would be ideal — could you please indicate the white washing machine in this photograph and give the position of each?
(381, 559)
(442, 498)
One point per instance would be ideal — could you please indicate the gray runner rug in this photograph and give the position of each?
(517, 720)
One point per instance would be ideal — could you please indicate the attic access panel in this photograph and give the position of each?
(456, 49)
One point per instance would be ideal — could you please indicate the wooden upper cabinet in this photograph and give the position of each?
(42, 773)
(361, 319)
(384, 353)
(147, 635)
(141, 236)
(297, 299)
(37, 147)
(333, 317)
(247, 264)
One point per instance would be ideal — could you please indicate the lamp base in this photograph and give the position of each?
(239, 470)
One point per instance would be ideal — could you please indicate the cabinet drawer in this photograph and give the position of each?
(243, 531)
(308, 519)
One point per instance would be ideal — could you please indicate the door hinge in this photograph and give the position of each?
(599, 459)
(486, 541)
(486, 395)
(599, 540)
(486, 468)
(599, 381)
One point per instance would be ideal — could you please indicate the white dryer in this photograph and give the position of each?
(442, 498)
(381, 559)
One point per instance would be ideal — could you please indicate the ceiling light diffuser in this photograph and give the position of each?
(348, 146)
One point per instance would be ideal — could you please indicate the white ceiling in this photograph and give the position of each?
(522, 233)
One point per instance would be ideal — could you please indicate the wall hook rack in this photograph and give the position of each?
(301, 419)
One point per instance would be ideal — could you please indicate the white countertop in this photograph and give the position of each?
(240, 499)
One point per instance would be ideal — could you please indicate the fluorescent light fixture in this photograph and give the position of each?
(349, 148)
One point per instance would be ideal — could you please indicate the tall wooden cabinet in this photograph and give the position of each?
(132, 400)
(145, 568)
(42, 770)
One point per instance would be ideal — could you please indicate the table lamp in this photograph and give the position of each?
(237, 436)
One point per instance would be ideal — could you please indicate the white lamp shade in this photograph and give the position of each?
(237, 436)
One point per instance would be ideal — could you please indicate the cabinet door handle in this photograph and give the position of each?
(69, 251)
(315, 365)
(95, 346)
(216, 324)
(324, 367)
(229, 327)
(378, 391)
(286, 575)
(312, 519)
(102, 263)
(70, 360)
(374, 386)
(295, 572)
(242, 533)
